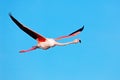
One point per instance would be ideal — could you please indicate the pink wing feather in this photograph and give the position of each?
(72, 34)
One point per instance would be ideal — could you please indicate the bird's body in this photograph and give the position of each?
(45, 43)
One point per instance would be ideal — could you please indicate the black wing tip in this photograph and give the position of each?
(10, 14)
(81, 29)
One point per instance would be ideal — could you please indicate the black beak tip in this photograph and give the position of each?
(80, 41)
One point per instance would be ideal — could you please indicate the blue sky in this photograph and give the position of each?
(96, 58)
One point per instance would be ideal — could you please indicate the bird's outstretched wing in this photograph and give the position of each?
(31, 33)
(72, 34)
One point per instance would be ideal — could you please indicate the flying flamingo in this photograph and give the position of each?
(45, 43)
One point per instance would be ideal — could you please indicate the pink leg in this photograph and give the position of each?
(33, 48)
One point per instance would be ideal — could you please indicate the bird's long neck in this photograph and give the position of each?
(67, 43)
(64, 44)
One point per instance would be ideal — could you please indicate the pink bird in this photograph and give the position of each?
(43, 42)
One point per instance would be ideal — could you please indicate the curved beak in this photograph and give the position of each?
(80, 41)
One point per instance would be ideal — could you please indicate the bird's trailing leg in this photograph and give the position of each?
(33, 48)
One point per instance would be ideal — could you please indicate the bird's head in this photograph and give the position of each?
(77, 41)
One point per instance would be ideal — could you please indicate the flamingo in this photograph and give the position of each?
(43, 42)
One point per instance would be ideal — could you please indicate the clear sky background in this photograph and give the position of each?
(96, 58)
